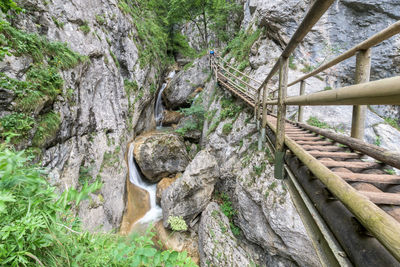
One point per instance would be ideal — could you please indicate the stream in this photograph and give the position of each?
(135, 176)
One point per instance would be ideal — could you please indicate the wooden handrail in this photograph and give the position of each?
(380, 92)
(234, 76)
(238, 71)
(370, 42)
(313, 15)
(237, 86)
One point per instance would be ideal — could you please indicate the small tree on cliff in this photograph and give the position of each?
(204, 14)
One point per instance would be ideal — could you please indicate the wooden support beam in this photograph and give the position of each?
(363, 70)
(383, 226)
(281, 120)
(301, 108)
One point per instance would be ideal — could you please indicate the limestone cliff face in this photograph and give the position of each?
(99, 116)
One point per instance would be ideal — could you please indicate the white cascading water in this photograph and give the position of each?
(159, 109)
(155, 212)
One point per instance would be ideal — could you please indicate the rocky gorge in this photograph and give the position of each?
(202, 166)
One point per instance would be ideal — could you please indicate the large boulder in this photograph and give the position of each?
(164, 184)
(186, 82)
(190, 194)
(160, 154)
(217, 244)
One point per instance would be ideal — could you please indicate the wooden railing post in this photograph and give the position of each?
(301, 108)
(261, 138)
(363, 69)
(281, 120)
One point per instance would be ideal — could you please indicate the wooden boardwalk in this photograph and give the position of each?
(351, 184)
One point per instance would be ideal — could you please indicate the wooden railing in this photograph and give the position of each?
(381, 92)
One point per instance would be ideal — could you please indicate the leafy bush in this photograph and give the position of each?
(38, 227)
(313, 121)
(227, 128)
(6, 5)
(16, 125)
(196, 113)
(47, 129)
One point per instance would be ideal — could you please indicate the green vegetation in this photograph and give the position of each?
(313, 121)
(6, 5)
(15, 127)
(49, 124)
(390, 171)
(378, 141)
(307, 68)
(196, 113)
(85, 28)
(205, 15)
(150, 19)
(291, 63)
(100, 19)
(229, 109)
(177, 223)
(226, 207)
(392, 122)
(326, 88)
(38, 227)
(227, 128)
(58, 23)
(115, 59)
(240, 47)
(42, 85)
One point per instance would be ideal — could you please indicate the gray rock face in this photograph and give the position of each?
(186, 82)
(160, 154)
(98, 116)
(266, 213)
(217, 245)
(190, 194)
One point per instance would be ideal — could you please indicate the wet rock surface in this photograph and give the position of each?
(190, 194)
(160, 154)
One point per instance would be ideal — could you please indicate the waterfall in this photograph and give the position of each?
(155, 212)
(159, 109)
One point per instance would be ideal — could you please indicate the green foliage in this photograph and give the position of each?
(240, 47)
(181, 45)
(390, 171)
(6, 5)
(327, 88)
(37, 226)
(85, 28)
(392, 122)
(152, 29)
(56, 54)
(229, 109)
(58, 23)
(115, 59)
(205, 15)
(48, 127)
(313, 121)
(307, 68)
(228, 210)
(100, 19)
(15, 126)
(258, 170)
(196, 114)
(291, 63)
(177, 223)
(227, 128)
(378, 141)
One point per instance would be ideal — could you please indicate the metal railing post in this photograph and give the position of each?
(363, 70)
(301, 108)
(261, 138)
(281, 119)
